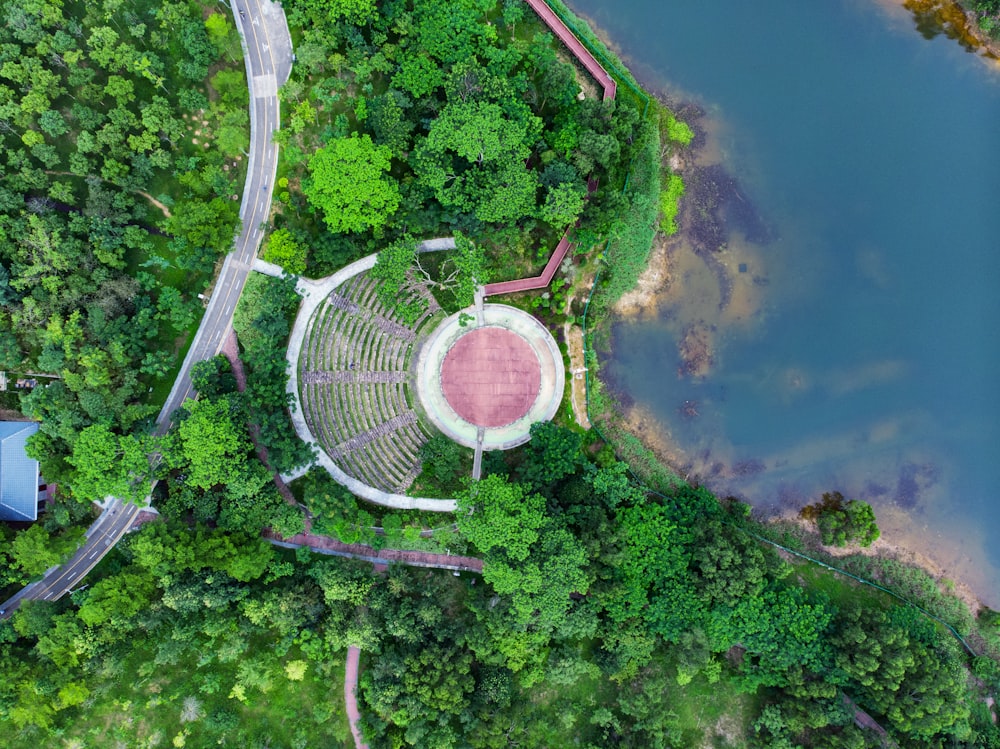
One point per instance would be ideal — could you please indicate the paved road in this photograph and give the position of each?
(267, 48)
(106, 531)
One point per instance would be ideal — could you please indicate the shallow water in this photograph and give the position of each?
(859, 349)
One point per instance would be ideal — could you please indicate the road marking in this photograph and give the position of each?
(265, 86)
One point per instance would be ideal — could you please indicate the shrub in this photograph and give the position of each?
(679, 131)
(841, 523)
(670, 202)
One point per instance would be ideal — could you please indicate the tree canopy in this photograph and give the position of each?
(348, 183)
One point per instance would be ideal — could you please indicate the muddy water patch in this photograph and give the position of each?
(710, 278)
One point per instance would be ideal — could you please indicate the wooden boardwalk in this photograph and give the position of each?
(326, 545)
(536, 282)
(581, 53)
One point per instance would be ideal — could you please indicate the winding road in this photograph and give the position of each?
(267, 50)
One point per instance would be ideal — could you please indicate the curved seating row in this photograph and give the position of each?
(353, 379)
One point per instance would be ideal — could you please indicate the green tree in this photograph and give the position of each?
(209, 224)
(221, 34)
(418, 75)
(779, 629)
(209, 443)
(552, 454)
(541, 585)
(470, 270)
(841, 523)
(353, 11)
(442, 458)
(654, 585)
(473, 159)
(919, 686)
(563, 204)
(115, 600)
(493, 513)
(389, 123)
(283, 250)
(348, 183)
(392, 268)
(35, 550)
(109, 465)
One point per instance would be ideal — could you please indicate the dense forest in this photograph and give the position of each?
(611, 612)
(422, 119)
(122, 132)
(606, 616)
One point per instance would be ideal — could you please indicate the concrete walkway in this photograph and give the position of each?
(268, 269)
(313, 294)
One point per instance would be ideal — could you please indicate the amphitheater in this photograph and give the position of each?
(369, 389)
(355, 385)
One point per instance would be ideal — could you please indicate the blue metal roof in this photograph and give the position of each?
(18, 472)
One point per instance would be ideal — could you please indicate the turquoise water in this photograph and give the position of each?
(869, 361)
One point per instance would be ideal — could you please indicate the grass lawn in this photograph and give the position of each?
(714, 715)
(705, 715)
(142, 704)
(841, 589)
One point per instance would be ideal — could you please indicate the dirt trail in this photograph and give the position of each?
(350, 695)
(146, 195)
(231, 350)
(577, 372)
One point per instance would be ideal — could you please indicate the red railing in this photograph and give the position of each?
(581, 53)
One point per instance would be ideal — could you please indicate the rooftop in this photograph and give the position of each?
(18, 472)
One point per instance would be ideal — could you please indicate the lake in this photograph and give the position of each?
(846, 338)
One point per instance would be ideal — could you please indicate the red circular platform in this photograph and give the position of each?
(491, 376)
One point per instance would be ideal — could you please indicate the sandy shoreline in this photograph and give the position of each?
(886, 548)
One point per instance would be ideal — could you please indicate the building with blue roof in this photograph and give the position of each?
(18, 473)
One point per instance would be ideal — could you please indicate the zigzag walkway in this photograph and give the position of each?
(581, 53)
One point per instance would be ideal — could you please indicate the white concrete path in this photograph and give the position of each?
(268, 269)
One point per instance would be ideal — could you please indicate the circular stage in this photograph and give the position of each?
(490, 377)
(496, 375)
